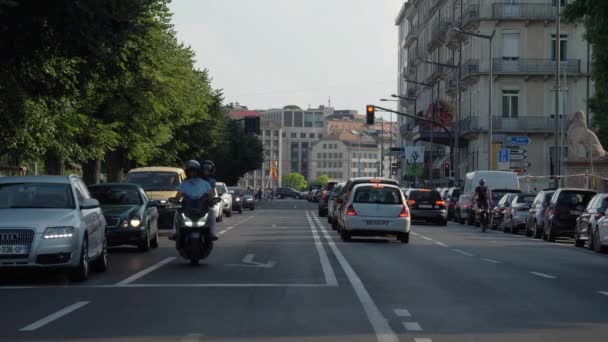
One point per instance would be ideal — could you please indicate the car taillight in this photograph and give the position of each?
(556, 212)
(405, 212)
(351, 211)
(411, 202)
(440, 202)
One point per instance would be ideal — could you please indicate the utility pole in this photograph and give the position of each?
(557, 51)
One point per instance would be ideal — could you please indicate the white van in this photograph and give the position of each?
(499, 180)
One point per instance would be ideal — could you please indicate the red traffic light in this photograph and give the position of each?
(446, 165)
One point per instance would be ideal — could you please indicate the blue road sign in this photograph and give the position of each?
(518, 141)
(504, 155)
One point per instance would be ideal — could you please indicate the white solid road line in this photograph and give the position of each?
(460, 251)
(383, 331)
(145, 271)
(605, 293)
(441, 244)
(426, 238)
(328, 271)
(402, 313)
(412, 326)
(548, 276)
(192, 338)
(52, 317)
(491, 260)
(417, 339)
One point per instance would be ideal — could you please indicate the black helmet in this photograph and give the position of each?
(208, 166)
(192, 165)
(482, 182)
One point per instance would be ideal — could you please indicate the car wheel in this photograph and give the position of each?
(404, 237)
(460, 219)
(578, 242)
(320, 212)
(144, 245)
(241, 210)
(101, 263)
(537, 232)
(298, 197)
(81, 272)
(334, 225)
(597, 245)
(549, 234)
(154, 242)
(345, 235)
(514, 229)
(229, 213)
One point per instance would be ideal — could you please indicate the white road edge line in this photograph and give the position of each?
(145, 271)
(548, 276)
(328, 271)
(383, 331)
(460, 251)
(491, 260)
(605, 293)
(54, 316)
(192, 338)
(417, 339)
(441, 244)
(412, 326)
(402, 313)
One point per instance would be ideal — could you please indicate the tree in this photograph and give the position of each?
(322, 180)
(295, 180)
(594, 15)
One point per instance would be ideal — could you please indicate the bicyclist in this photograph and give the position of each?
(482, 196)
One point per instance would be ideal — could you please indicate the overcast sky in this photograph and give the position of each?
(271, 53)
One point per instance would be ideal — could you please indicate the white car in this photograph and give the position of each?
(51, 222)
(217, 209)
(226, 203)
(374, 209)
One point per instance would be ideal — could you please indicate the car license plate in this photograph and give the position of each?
(14, 250)
(426, 206)
(376, 223)
(575, 212)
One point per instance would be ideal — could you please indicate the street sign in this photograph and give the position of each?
(520, 164)
(516, 157)
(498, 138)
(518, 151)
(518, 141)
(518, 170)
(503, 155)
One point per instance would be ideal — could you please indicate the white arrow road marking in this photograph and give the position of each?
(402, 313)
(491, 260)
(412, 326)
(52, 317)
(248, 262)
(543, 275)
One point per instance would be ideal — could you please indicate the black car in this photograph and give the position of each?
(565, 207)
(324, 197)
(288, 193)
(587, 223)
(536, 214)
(131, 216)
(427, 205)
(247, 198)
(237, 200)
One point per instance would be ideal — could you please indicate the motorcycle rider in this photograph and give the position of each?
(192, 190)
(207, 173)
(482, 196)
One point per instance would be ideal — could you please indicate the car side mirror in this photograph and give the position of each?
(153, 204)
(89, 203)
(216, 200)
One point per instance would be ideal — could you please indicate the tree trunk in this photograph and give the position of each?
(114, 162)
(53, 165)
(91, 171)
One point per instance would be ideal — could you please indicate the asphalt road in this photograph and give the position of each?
(280, 273)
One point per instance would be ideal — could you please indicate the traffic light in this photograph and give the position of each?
(371, 112)
(446, 169)
(252, 125)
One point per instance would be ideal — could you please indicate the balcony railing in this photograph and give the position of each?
(411, 36)
(450, 83)
(438, 31)
(533, 66)
(541, 124)
(470, 68)
(470, 15)
(508, 11)
(469, 124)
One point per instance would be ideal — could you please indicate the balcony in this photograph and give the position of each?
(450, 83)
(505, 11)
(411, 91)
(533, 66)
(438, 32)
(470, 68)
(523, 124)
(411, 36)
(435, 73)
(470, 17)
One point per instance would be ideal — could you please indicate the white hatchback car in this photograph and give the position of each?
(374, 209)
(51, 222)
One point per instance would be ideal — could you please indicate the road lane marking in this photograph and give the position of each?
(605, 293)
(441, 244)
(543, 275)
(192, 338)
(417, 339)
(328, 271)
(460, 251)
(146, 271)
(54, 316)
(248, 262)
(414, 233)
(402, 313)
(412, 326)
(491, 260)
(426, 238)
(383, 331)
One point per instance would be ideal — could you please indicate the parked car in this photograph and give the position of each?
(373, 209)
(218, 208)
(517, 212)
(160, 184)
(427, 205)
(324, 196)
(586, 224)
(66, 228)
(536, 214)
(237, 200)
(222, 191)
(444, 194)
(598, 239)
(288, 193)
(462, 209)
(451, 200)
(565, 207)
(331, 205)
(346, 191)
(131, 217)
(497, 213)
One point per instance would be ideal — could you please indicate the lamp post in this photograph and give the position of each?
(432, 128)
(490, 38)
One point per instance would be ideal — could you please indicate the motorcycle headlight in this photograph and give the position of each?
(135, 222)
(58, 232)
(187, 221)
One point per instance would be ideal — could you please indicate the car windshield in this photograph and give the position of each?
(498, 194)
(425, 196)
(377, 194)
(155, 181)
(36, 195)
(221, 189)
(525, 199)
(574, 199)
(240, 192)
(107, 195)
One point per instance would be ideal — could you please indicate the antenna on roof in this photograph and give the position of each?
(329, 102)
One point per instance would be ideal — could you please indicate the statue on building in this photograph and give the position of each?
(582, 140)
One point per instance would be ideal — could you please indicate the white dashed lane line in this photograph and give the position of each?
(460, 251)
(426, 238)
(418, 339)
(412, 326)
(439, 243)
(54, 316)
(605, 293)
(491, 261)
(543, 275)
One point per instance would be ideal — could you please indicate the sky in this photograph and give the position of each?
(272, 53)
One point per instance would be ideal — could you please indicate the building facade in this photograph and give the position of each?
(271, 137)
(455, 70)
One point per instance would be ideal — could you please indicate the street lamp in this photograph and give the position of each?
(387, 100)
(432, 127)
(490, 38)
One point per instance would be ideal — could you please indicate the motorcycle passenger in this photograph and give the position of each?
(192, 191)
(207, 173)
(482, 196)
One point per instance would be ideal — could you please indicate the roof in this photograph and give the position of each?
(124, 185)
(157, 169)
(239, 114)
(36, 179)
(402, 13)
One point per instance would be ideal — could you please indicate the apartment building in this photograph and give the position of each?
(271, 137)
(453, 67)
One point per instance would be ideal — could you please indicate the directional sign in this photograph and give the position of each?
(518, 141)
(516, 157)
(520, 164)
(518, 151)
(518, 170)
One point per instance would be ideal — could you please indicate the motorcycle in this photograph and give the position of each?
(193, 241)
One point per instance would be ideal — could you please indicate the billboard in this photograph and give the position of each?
(414, 160)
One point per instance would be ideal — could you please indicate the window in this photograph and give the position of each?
(324, 164)
(318, 155)
(561, 2)
(318, 120)
(297, 119)
(294, 135)
(324, 146)
(510, 46)
(311, 135)
(304, 166)
(563, 49)
(384, 195)
(284, 135)
(275, 133)
(323, 155)
(308, 119)
(303, 135)
(288, 119)
(340, 164)
(320, 136)
(295, 157)
(340, 155)
(510, 103)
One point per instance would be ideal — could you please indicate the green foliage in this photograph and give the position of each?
(594, 16)
(294, 180)
(323, 180)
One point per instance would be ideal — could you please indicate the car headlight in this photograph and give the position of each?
(238, 199)
(58, 232)
(135, 222)
(124, 224)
